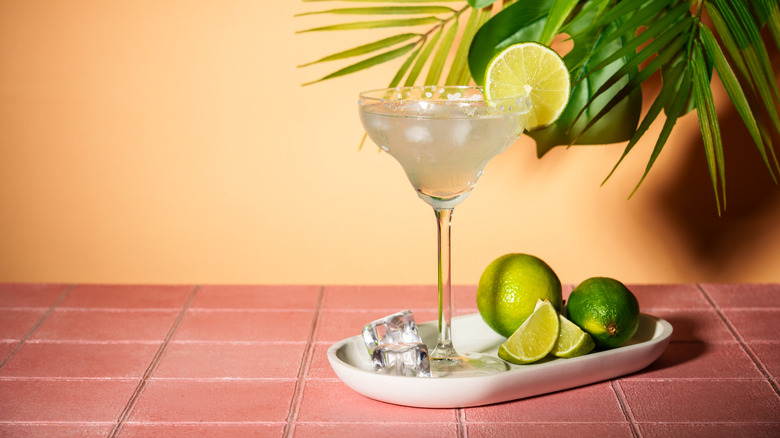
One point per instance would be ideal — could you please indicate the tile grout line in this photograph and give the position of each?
(461, 430)
(37, 324)
(741, 341)
(625, 408)
(125, 414)
(295, 403)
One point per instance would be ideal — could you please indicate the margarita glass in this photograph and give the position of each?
(443, 137)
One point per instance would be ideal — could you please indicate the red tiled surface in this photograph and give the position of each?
(317, 405)
(702, 401)
(319, 367)
(106, 325)
(257, 297)
(699, 430)
(744, 295)
(548, 430)
(57, 430)
(216, 360)
(16, 323)
(7, 347)
(165, 400)
(361, 430)
(385, 298)
(202, 430)
(755, 324)
(696, 360)
(245, 325)
(84, 360)
(197, 361)
(336, 325)
(31, 295)
(63, 400)
(703, 325)
(675, 296)
(127, 296)
(768, 353)
(595, 403)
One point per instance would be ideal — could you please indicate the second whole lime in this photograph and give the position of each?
(606, 309)
(509, 288)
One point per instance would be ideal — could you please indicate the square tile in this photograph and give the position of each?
(6, 347)
(319, 367)
(377, 429)
(548, 430)
(390, 299)
(670, 296)
(230, 360)
(16, 323)
(701, 401)
(595, 403)
(336, 325)
(744, 295)
(318, 406)
(724, 430)
(204, 430)
(127, 296)
(64, 400)
(703, 325)
(755, 324)
(768, 353)
(257, 297)
(214, 401)
(384, 298)
(697, 360)
(106, 325)
(246, 325)
(56, 430)
(30, 294)
(93, 360)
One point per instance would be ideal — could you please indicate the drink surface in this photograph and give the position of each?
(442, 146)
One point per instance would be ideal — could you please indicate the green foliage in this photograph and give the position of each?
(617, 46)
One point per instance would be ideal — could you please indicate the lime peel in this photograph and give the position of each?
(510, 287)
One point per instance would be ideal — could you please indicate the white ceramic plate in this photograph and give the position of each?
(352, 365)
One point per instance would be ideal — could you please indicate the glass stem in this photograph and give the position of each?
(444, 348)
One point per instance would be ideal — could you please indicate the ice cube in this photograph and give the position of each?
(402, 359)
(395, 328)
(461, 130)
(417, 134)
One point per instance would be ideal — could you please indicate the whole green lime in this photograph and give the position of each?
(509, 288)
(606, 309)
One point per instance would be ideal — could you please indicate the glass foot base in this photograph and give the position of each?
(467, 365)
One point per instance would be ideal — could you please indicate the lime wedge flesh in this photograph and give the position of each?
(572, 340)
(535, 338)
(533, 70)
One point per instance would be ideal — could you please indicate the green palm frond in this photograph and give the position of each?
(617, 46)
(436, 31)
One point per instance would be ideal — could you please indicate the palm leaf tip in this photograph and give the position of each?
(374, 24)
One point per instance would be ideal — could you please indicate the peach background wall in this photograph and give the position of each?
(170, 141)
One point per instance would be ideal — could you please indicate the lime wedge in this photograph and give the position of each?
(533, 70)
(572, 341)
(535, 338)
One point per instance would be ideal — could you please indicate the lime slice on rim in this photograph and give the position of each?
(535, 338)
(572, 341)
(533, 70)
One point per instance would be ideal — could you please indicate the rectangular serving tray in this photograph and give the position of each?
(352, 364)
